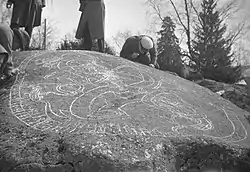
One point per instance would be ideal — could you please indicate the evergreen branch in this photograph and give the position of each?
(233, 37)
(228, 10)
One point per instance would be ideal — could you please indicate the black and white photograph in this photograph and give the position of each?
(124, 85)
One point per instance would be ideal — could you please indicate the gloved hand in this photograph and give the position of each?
(9, 4)
(2, 77)
(152, 65)
(134, 55)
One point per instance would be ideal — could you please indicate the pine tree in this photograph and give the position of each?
(211, 48)
(169, 56)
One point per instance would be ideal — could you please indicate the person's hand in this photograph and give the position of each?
(9, 4)
(147, 54)
(2, 77)
(152, 65)
(134, 55)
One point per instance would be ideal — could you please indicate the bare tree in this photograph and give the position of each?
(228, 9)
(230, 12)
(182, 14)
(186, 14)
(39, 35)
(156, 5)
(242, 52)
(184, 19)
(120, 38)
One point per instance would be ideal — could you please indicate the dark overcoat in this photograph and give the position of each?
(6, 40)
(93, 13)
(27, 12)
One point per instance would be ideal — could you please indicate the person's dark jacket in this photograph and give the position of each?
(27, 12)
(132, 46)
(6, 39)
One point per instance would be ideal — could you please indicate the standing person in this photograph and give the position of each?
(26, 13)
(10, 40)
(91, 24)
(140, 49)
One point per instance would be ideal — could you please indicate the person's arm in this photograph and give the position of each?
(127, 49)
(153, 55)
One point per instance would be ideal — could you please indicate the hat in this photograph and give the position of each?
(23, 36)
(146, 42)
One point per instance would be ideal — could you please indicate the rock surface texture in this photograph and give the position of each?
(238, 94)
(86, 111)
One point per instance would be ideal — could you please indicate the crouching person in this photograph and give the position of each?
(10, 40)
(140, 49)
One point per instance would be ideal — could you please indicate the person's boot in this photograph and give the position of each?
(10, 72)
(87, 40)
(4, 59)
(101, 45)
(29, 30)
(87, 44)
(14, 26)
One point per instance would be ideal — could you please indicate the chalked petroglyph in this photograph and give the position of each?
(77, 92)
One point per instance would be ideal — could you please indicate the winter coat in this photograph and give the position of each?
(6, 40)
(132, 46)
(93, 16)
(27, 12)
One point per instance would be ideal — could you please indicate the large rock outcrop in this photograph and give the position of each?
(86, 111)
(236, 93)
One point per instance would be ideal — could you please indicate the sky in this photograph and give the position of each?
(120, 15)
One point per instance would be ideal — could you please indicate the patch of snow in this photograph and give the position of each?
(220, 92)
(241, 82)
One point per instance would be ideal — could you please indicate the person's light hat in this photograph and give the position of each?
(146, 42)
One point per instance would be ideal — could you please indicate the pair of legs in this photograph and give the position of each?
(28, 29)
(25, 19)
(87, 44)
(5, 67)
